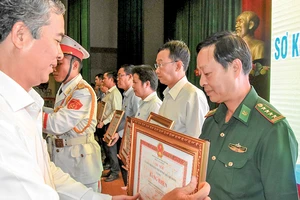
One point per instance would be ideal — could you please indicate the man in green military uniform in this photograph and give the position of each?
(253, 149)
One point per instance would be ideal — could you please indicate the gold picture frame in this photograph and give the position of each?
(162, 159)
(160, 120)
(113, 126)
(125, 144)
(100, 110)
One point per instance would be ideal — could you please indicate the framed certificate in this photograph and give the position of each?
(125, 143)
(100, 110)
(112, 128)
(162, 159)
(160, 120)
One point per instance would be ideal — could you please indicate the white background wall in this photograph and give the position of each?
(285, 61)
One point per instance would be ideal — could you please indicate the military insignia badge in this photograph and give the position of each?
(270, 114)
(237, 148)
(74, 104)
(244, 114)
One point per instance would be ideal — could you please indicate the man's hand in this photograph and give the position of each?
(184, 193)
(114, 139)
(124, 197)
(100, 125)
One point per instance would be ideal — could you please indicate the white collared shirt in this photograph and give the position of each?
(186, 105)
(150, 104)
(113, 99)
(25, 169)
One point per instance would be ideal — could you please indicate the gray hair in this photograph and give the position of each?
(178, 51)
(34, 13)
(127, 68)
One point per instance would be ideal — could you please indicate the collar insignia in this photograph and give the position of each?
(211, 113)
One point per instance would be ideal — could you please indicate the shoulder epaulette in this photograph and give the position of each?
(81, 85)
(269, 113)
(211, 112)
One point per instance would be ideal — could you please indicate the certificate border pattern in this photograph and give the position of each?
(196, 147)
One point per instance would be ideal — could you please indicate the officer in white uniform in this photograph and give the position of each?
(72, 122)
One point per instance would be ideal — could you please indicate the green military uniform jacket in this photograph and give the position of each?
(253, 155)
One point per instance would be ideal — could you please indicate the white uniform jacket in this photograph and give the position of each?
(25, 169)
(73, 120)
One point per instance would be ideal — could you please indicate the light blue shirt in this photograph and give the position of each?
(130, 106)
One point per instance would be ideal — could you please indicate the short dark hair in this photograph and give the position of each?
(178, 51)
(127, 68)
(100, 75)
(228, 46)
(146, 73)
(112, 74)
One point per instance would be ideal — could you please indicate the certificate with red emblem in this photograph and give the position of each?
(162, 159)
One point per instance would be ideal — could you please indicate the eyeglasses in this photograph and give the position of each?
(156, 66)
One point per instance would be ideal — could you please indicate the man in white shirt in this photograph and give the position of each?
(145, 83)
(30, 37)
(72, 122)
(183, 102)
(113, 100)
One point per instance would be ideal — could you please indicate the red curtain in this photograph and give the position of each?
(263, 9)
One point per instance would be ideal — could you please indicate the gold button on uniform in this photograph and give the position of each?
(213, 158)
(57, 150)
(222, 134)
(230, 164)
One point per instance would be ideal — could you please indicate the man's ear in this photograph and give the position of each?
(179, 65)
(75, 64)
(148, 84)
(19, 33)
(237, 66)
(251, 25)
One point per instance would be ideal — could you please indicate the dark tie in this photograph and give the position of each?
(60, 91)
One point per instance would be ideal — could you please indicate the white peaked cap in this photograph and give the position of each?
(70, 46)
